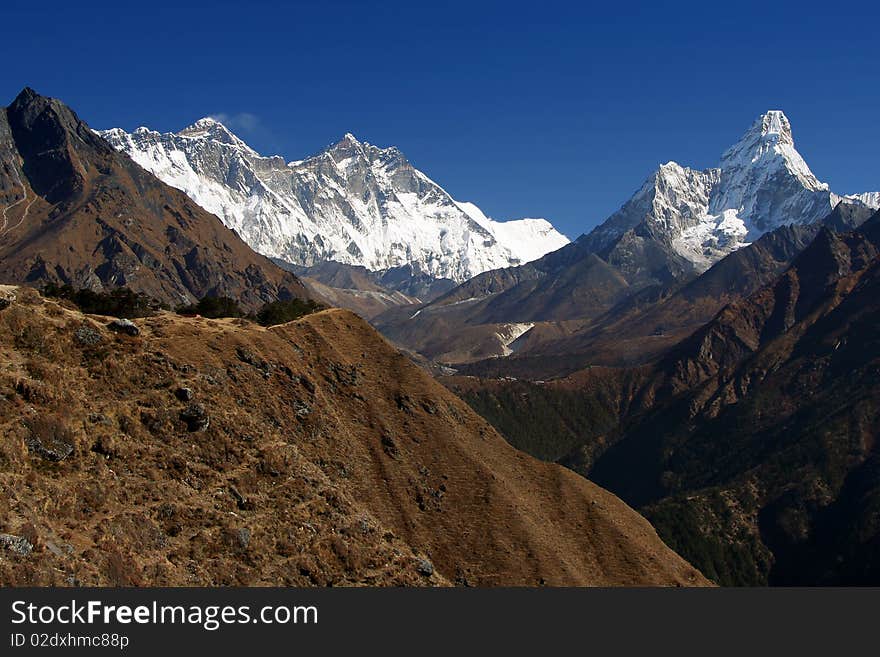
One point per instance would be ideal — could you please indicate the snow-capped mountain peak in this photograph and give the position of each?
(769, 143)
(210, 128)
(204, 124)
(871, 199)
(775, 123)
(766, 182)
(348, 144)
(761, 183)
(353, 202)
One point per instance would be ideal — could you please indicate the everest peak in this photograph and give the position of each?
(353, 203)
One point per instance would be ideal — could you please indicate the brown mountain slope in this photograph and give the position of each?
(318, 455)
(339, 275)
(348, 286)
(761, 463)
(586, 311)
(580, 411)
(646, 325)
(76, 211)
(752, 446)
(366, 303)
(574, 411)
(815, 283)
(458, 328)
(642, 328)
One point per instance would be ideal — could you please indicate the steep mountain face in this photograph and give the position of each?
(761, 465)
(671, 202)
(353, 203)
(761, 183)
(765, 183)
(752, 445)
(677, 225)
(556, 409)
(815, 283)
(76, 211)
(217, 452)
(848, 215)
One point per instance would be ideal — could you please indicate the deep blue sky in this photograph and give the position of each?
(535, 109)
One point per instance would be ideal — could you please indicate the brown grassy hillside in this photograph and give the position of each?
(328, 458)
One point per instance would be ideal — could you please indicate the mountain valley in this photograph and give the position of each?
(686, 395)
(181, 450)
(750, 444)
(642, 254)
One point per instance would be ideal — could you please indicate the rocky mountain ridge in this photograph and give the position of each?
(353, 203)
(77, 212)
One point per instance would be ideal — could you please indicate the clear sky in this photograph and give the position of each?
(533, 109)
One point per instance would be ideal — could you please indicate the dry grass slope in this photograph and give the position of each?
(217, 452)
